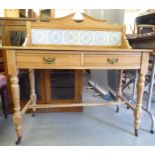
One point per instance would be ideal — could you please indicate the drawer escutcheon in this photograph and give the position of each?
(49, 60)
(112, 60)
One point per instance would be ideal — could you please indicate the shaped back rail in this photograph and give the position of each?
(66, 32)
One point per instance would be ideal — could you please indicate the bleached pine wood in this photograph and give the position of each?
(33, 96)
(17, 120)
(74, 105)
(74, 57)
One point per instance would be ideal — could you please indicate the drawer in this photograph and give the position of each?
(44, 60)
(129, 61)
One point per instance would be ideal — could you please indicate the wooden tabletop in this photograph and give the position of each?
(76, 48)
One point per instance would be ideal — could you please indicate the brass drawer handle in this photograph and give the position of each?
(112, 60)
(49, 60)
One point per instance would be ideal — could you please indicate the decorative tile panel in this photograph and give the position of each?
(76, 37)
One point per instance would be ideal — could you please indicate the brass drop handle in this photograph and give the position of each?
(49, 60)
(112, 60)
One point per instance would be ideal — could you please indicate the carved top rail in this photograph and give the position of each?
(67, 32)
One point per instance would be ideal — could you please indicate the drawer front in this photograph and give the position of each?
(126, 61)
(45, 60)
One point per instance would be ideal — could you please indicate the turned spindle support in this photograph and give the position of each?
(119, 88)
(140, 89)
(32, 90)
(16, 102)
(138, 108)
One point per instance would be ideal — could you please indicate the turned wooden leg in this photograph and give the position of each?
(32, 89)
(16, 102)
(138, 109)
(119, 88)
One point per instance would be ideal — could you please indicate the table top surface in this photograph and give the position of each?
(76, 48)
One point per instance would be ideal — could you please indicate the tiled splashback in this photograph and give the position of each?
(76, 37)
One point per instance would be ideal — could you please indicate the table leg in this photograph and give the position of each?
(17, 120)
(138, 108)
(32, 90)
(119, 87)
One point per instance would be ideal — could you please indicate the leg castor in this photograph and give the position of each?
(127, 107)
(136, 132)
(117, 108)
(33, 114)
(152, 131)
(18, 140)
